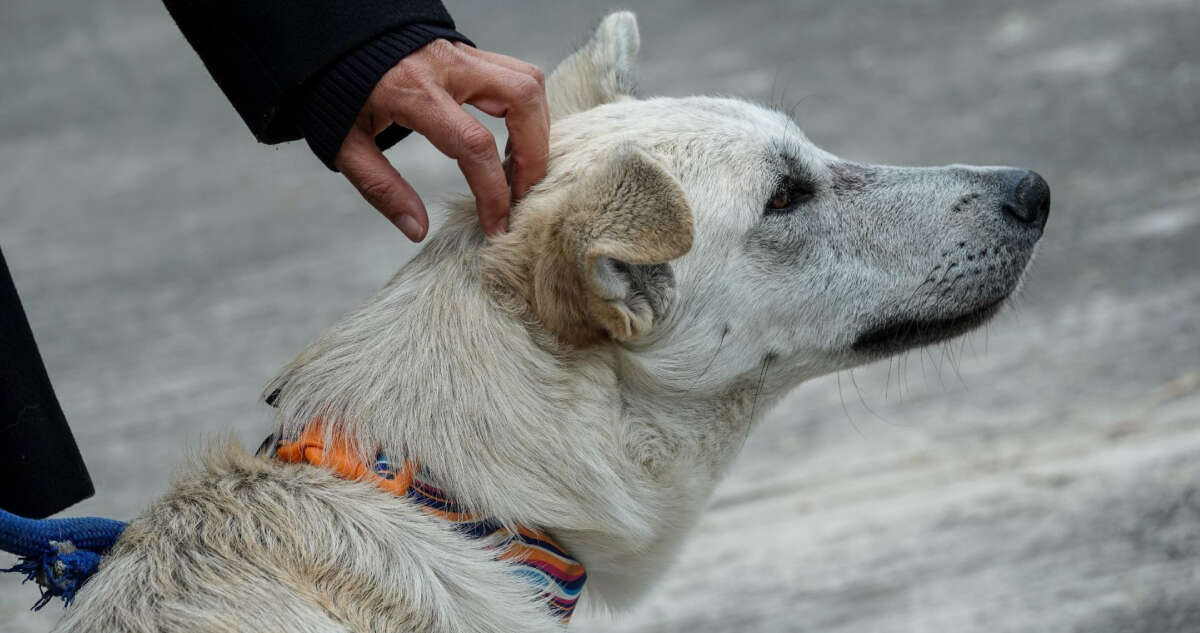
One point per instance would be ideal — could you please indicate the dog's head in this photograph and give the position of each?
(708, 236)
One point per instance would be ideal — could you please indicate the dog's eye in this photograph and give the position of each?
(780, 201)
(789, 194)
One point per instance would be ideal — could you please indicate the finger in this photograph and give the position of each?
(521, 101)
(511, 63)
(360, 160)
(523, 67)
(459, 136)
(514, 64)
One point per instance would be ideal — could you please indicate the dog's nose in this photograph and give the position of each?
(1028, 198)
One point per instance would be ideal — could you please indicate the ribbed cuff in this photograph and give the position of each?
(333, 100)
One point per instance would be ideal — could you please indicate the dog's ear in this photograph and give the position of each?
(602, 71)
(592, 262)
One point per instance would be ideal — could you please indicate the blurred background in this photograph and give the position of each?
(1042, 475)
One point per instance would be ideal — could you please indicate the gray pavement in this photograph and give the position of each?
(1042, 475)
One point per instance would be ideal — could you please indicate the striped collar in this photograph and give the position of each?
(538, 559)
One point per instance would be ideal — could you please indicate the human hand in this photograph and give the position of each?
(425, 92)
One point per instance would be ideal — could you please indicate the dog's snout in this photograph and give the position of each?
(1028, 198)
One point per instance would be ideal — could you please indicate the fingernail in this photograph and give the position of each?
(411, 228)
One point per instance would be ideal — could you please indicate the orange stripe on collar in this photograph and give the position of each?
(340, 458)
(539, 559)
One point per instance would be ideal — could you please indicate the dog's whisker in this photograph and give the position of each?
(762, 378)
(791, 112)
(924, 354)
(720, 345)
(863, 400)
(887, 385)
(904, 376)
(956, 361)
(942, 362)
(846, 410)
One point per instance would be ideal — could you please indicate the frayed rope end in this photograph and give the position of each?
(59, 573)
(60, 554)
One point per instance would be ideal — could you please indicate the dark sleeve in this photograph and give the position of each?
(267, 55)
(41, 471)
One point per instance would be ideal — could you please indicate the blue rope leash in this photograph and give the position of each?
(59, 554)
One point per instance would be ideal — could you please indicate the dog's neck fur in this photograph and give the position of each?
(452, 373)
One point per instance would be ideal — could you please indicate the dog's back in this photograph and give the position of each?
(245, 543)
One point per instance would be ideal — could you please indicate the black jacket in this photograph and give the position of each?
(41, 471)
(304, 68)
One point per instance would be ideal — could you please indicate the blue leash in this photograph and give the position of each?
(60, 554)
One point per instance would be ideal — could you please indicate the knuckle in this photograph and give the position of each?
(376, 192)
(397, 74)
(528, 90)
(442, 48)
(410, 70)
(477, 141)
(537, 75)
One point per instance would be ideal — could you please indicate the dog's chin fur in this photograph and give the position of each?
(589, 374)
(899, 336)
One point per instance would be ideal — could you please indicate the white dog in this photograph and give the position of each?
(575, 388)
